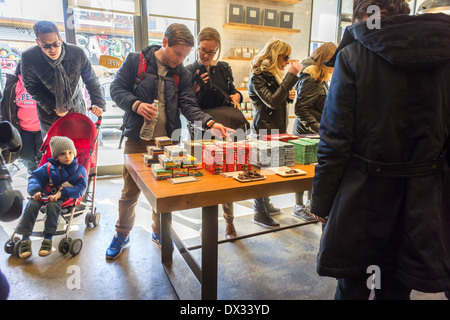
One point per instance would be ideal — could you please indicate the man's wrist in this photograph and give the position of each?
(210, 123)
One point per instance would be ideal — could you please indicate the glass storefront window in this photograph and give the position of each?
(17, 18)
(104, 33)
(164, 13)
(324, 22)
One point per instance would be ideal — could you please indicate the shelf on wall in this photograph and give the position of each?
(287, 1)
(253, 27)
(238, 58)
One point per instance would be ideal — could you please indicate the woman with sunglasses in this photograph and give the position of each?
(216, 94)
(270, 91)
(51, 73)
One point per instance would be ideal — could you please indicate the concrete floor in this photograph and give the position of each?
(275, 266)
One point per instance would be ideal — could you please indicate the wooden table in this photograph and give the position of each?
(207, 193)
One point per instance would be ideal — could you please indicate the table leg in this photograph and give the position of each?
(166, 240)
(209, 252)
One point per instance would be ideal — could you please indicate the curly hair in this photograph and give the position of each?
(388, 8)
(267, 58)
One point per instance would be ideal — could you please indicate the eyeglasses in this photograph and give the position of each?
(287, 58)
(47, 46)
(203, 50)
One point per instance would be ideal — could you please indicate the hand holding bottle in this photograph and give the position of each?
(148, 111)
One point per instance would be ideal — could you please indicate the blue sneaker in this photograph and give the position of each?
(156, 238)
(117, 244)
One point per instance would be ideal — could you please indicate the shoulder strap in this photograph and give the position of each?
(50, 182)
(141, 70)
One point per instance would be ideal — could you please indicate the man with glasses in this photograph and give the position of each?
(167, 81)
(51, 73)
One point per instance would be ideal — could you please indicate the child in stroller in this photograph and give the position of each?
(60, 179)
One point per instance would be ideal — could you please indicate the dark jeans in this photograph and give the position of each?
(31, 212)
(356, 289)
(260, 204)
(31, 143)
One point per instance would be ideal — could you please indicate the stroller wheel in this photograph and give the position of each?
(87, 219)
(64, 245)
(75, 246)
(10, 245)
(96, 219)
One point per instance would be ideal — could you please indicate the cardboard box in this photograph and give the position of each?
(286, 19)
(270, 18)
(236, 13)
(253, 16)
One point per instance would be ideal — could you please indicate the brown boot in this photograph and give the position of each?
(230, 231)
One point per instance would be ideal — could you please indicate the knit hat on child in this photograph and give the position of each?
(60, 144)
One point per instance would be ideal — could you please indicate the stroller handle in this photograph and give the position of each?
(99, 119)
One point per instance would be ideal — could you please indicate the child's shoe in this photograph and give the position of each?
(25, 249)
(46, 248)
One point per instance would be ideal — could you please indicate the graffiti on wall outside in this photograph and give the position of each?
(9, 57)
(97, 45)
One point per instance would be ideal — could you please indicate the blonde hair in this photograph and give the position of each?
(322, 54)
(209, 33)
(267, 59)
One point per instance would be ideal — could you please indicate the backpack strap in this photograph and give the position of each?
(141, 70)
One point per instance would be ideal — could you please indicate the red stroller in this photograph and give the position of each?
(84, 134)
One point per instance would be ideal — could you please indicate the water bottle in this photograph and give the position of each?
(148, 127)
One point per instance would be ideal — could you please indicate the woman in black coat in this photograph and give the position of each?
(270, 91)
(382, 184)
(312, 90)
(214, 88)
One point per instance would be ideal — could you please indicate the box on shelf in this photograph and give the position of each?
(270, 18)
(236, 13)
(286, 19)
(253, 16)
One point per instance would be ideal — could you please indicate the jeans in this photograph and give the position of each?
(260, 204)
(31, 143)
(31, 212)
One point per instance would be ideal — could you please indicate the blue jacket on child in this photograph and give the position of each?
(73, 173)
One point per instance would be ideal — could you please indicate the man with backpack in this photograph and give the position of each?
(156, 73)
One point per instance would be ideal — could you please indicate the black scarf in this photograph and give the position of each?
(62, 90)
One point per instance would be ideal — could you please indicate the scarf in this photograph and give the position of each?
(62, 90)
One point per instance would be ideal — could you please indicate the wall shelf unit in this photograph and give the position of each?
(253, 27)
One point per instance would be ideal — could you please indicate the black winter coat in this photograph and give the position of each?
(270, 100)
(221, 75)
(388, 102)
(311, 96)
(39, 81)
(176, 100)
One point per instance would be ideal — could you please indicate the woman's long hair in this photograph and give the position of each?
(267, 59)
(388, 8)
(322, 54)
